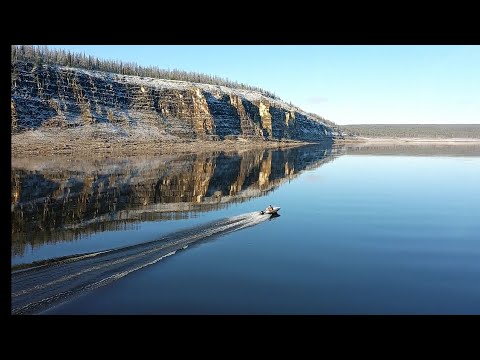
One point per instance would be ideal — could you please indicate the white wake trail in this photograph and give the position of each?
(57, 280)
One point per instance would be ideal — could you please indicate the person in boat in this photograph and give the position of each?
(267, 210)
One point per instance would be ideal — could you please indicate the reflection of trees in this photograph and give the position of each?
(61, 202)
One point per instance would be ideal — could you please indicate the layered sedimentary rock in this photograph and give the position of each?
(47, 95)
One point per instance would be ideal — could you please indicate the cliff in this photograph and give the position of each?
(48, 96)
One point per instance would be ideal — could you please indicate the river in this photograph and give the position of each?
(382, 230)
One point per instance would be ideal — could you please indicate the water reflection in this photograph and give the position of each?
(62, 199)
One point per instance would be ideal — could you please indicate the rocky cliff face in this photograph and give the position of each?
(46, 96)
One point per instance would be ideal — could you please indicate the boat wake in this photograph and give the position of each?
(52, 282)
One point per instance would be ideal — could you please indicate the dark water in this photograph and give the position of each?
(361, 231)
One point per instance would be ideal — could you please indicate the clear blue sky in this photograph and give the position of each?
(346, 84)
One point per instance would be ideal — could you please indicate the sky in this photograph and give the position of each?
(347, 84)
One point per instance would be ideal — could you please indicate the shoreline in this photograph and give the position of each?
(44, 144)
(369, 141)
(49, 143)
(149, 148)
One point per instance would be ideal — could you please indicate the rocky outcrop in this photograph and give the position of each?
(46, 96)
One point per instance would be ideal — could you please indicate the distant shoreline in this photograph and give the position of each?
(408, 141)
(429, 132)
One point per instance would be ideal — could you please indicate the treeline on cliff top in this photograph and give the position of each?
(45, 55)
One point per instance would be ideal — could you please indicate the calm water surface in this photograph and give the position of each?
(361, 231)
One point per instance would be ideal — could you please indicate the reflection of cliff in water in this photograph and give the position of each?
(62, 199)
